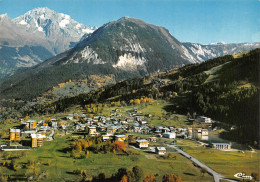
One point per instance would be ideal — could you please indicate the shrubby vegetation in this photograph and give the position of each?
(81, 147)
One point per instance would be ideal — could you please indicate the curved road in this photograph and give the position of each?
(51, 135)
(216, 175)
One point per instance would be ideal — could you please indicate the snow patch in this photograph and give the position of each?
(42, 16)
(63, 23)
(78, 26)
(40, 29)
(23, 22)
(217, 43)
(3, 16)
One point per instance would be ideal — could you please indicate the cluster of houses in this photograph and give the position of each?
(31, 129)
(114, 127)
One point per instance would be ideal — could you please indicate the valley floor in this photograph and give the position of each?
(55, 161)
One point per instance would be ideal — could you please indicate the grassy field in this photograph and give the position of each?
(157, 111)
(54, 159)
(241, 54)
(212, 73)
(226, 163)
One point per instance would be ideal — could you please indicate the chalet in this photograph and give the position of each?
(129, 120)
(160, 150)
(89, 119)
(111, 129)
(54, 124)
(37, 140)
(158, 129)
(102, 119)
(200, 134)
(106, 137)
(43, 133)
(63, 124)
(204, 132)
(102, 128)
(137, 129)
(70, 117)
(45, 126)
(81, 127)
(138, 111)
(15, 134)
(142, 143)
(95, 119)
(31, 124)
(120, 137)
(82, 116)
(153, 139)
(204, 119)
(92, 130)
(172, 129)
(123, 121)
(53, 119)
(139, 117)
(169, 135)
(142, 122)
(221, 146)
(190, 131)
(115, 122)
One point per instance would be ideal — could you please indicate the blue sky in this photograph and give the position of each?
(200, 21)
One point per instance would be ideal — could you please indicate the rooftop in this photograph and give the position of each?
(161, 148)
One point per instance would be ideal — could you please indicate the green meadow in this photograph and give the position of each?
(53, 158)
(227, 163)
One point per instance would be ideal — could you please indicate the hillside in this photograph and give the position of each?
(126, 48)
(204, 52)
(231, 96)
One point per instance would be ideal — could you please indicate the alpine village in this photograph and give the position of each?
(127, 102)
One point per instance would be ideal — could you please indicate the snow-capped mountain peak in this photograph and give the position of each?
(3, 16)
(47, 21)
(58, 28)
(218, 43)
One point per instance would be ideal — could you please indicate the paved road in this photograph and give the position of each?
(51, 135)
(216, 175)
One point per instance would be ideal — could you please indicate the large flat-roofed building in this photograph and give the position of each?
(15, 134)
(31, 124)
(37, 140)
(222, 146)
